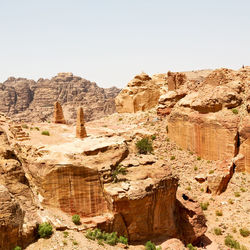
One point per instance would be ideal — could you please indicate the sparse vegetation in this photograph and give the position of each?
(25, 126)
(153, 137)
(231, 242)
(236, 194)
(218, 213)
(198, 158)
(76, 219)
(167, 139)
(65, 234)
(242, 189)
(235, 111)
(75, 242)
(191, 247)
(195, 168)
(65, 243)
(45, 132)
(188, 188)
(144, 146)
(17, 248)
(211, 171)
(204, 205)
(217, 231)
(150, 246)
(109, 238)
(167, 129)
(45, 230)
(115, 172)
(230, 201)
(244, 232)
(172, 157)
(120, 119)
(202, 189)
(36, 128)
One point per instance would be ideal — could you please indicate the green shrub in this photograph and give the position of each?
(75, 242)
(65, 234)
(112, 239)
(25, 126)
(195, 168)
(120, 119)
(204, 205)
(231, 242)
(45, 132)
(188, 188)
(123, 240)
(167, 139)
(76, 219)
(144, 146)
(242, 189)
(37, 128)
(191, 247)
(150, 246)
(230, 201)
(198, 158)
(100, 242)
(115, 172)
(235, 111)
(45, 230)
(217, 231)
(172, 157)
(244, 232)
(211, 171)
(153, 137)
(218, 213)
(17, 248)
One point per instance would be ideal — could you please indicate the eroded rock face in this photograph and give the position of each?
(27, 100)
(58, 114)
(175, 80)
(141, 94)
(80, 128)
(212, 137)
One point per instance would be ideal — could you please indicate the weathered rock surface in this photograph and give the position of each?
(176, 80)
(80, 128)
(27, 100)
(141, 94)
(58, 114)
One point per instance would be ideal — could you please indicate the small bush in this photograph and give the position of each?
(120, 119)
(25, 126)
(115, 172)
(45, 230)
(211, 171)
(217, 231)
(65, 243)
(75, 242)
(153, 137)
(123, 240)
(45, 133)
(195, 168)
(235, 111)
(17, 248)
(244, 232)
(242, 189)
(150, 246)
(172, 157)
(36, 128)
(191, 247)
(144, 146)
(100, 242)
(188, 188)
(231, 242)
(167, 129)
(167, 139)
(198, 158)
(65, 234)
(236, 194)
(218, 213)
(204, 205)
(76, 219)
(230, 201)
(202, 189)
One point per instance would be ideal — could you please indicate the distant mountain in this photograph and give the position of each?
(28, 100)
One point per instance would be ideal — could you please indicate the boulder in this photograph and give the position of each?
(141, 94)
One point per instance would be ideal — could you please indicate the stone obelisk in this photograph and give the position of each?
(80, 128)
(58, 114)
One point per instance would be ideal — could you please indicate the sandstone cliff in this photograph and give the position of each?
(27, 100)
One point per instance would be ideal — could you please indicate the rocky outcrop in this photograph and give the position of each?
(80, 128)
(141, 94)
(176, 80)
(58, 114)
(27, 100)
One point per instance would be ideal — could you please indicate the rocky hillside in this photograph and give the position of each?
(28, 100)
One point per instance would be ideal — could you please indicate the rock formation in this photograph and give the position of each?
(80, 128)
(141, 94)
(28, 100)
(175, 80)
(58, 114)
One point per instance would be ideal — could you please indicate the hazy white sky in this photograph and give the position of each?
(109, 41)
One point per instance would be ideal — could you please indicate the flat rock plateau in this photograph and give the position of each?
(193, 187)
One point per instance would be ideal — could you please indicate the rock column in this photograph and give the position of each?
(58, 114)
(80, 128)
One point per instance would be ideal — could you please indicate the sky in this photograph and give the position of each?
(110, 41)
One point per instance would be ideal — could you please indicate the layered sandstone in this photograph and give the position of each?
(28, 100)
(80, 128)
(58, 114)
(141, 94)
